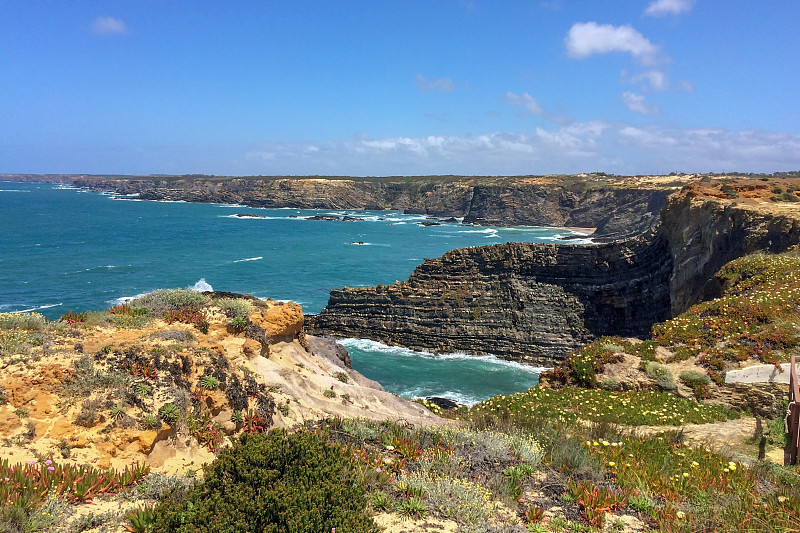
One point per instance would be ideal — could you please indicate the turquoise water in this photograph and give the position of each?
(65, 249)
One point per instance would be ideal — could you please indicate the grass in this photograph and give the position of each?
(633, 408)
(756, 317)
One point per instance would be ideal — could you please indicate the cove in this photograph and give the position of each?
(67, 249)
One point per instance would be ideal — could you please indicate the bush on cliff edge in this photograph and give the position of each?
(274, 483)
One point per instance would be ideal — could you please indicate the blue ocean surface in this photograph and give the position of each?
(67, 249)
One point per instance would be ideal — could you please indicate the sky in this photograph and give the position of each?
(399, 87)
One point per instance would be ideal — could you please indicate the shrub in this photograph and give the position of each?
(661, 374)
(71, 317)
(209, 382)
(690, 377)
(238, 323)
(729, 191)
(235, 307)
(86, 379)
(24, 321)
(698, 382)
(161, 301)
(275, 482)
(188, 314)
(342, 376)
(776, 433)
(456, 498)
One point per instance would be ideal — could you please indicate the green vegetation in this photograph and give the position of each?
(569, 404)
(660, 373)
(508, 463)
(32, 491)
(162, 301)
(275, 482)
(234, 307)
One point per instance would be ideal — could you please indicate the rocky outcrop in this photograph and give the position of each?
(704, 234)
(102, 395)
(522, 301)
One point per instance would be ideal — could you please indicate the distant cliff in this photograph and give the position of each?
(536, 302)
(479, 200)
(521, 301)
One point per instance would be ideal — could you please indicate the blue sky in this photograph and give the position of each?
(399, 87)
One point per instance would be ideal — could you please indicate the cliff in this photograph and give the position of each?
(705, 232)
(521, 301)
(478, 200)
(536, 302)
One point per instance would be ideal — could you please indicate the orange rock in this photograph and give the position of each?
(283, 320)
(62, 428)
(9, 422)
(252, 348)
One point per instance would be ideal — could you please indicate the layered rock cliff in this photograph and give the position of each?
(705, 233)
(536, 302)
(485, 201)
(521, 301)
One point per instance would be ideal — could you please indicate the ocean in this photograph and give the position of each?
(67, 249)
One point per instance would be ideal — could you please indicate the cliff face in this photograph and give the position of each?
(632, 210)
(617, 213)
(537, 302)
(521, 301)
(704, 234)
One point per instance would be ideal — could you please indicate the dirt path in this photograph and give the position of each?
(732, 437)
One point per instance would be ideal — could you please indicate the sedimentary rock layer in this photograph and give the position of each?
(485, 201)
(536, 302)
(521, 301)
(704, 234)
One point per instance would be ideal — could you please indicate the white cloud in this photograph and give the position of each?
(427, 85)
(588, 38)
(655, 80)
(108, 26)
(687, 86)
(526, 101)
(660, 8)
(579, 147)
(638, 104)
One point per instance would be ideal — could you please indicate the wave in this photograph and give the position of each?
(13, 190)
(124, 299)
(262, 217)
(38, 308)
(248, 259)
(369, 345)
(488, 231)
(457, 396)
(202, 286)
